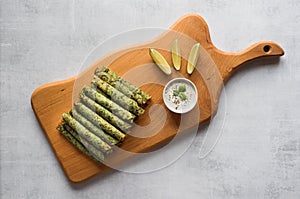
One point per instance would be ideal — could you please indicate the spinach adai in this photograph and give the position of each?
(104, 114)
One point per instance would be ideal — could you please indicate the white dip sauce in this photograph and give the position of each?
(180, 95)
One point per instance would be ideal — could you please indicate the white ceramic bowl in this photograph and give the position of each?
(175, 103)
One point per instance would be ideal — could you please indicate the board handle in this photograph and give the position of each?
(261, 49)
(257, 50)
(226, 62)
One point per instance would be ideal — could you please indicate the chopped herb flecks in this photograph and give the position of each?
(175, 92)
(182, 96)
(182, 88)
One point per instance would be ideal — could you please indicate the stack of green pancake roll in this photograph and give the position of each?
(104, 114)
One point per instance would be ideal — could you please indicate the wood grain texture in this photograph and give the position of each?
(135, 64)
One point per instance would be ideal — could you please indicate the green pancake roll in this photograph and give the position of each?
(74, 134)
(90, 126)
(121, 87)
(115, 95)
(73, 140)
(108, 104)
(86, 134)
(94, 85)
(99, 121)
(98, 155)
(103, 112)
(130, 86)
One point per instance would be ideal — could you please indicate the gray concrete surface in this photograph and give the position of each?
(258, 153)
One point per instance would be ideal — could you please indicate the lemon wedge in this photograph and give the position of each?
(160, 61)
(176, 58)
(193, 58)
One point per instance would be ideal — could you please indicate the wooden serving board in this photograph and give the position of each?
(158, 125)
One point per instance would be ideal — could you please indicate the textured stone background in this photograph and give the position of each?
(258, 154)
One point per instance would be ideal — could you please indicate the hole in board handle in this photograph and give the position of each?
(267, 48)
